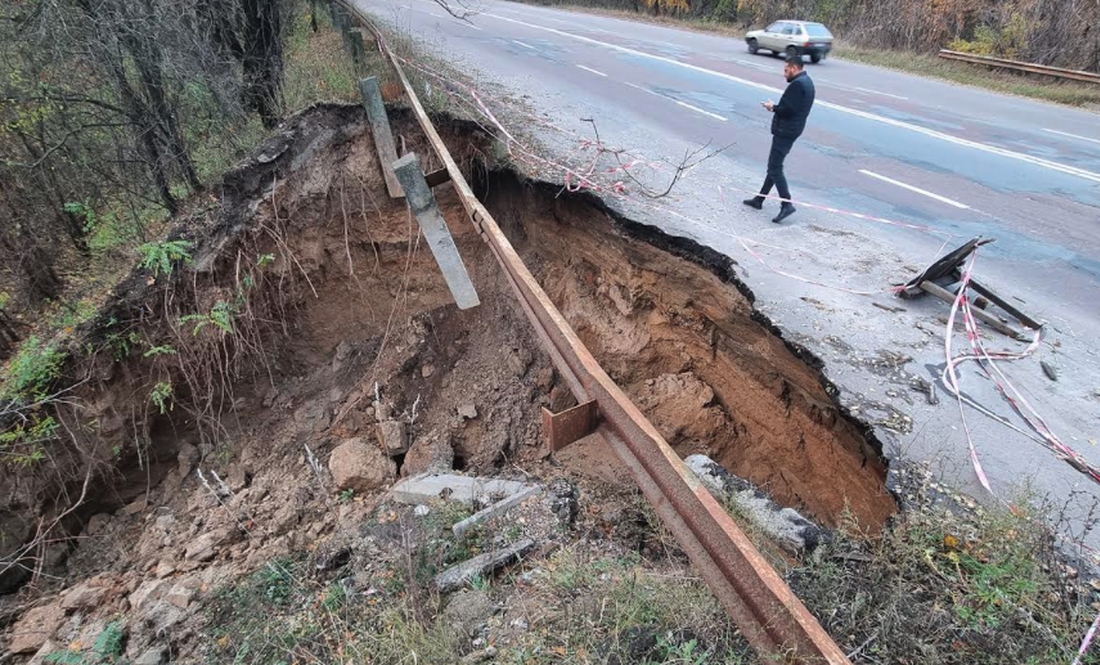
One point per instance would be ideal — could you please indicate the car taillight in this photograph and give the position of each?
(808, 44)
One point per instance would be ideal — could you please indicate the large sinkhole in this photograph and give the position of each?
(666, 318)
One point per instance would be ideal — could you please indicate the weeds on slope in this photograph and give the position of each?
(949, 582)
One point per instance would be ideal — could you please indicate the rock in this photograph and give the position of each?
(545, 379)
(165, 523)
(206, 546)
(468, 611)
(335, 395)
(205, 451)
(343, 350)
(427, 370)
(394, 437)
(36, 626)
(180, 596)
(48, 648)
(164, 569)
(153, 656)
(785, 526)
(163, 616)
(360, 466)
(467, 411)
(1049, 370)
(149, 592)
(238, 478)
(188, 458)
(381, 411)
(563, 501)
(428, 454)
(82, 596)
(97, 524)
(480, 566)
(422, 510)
(515, 363)
(139, 504)
(332, 559)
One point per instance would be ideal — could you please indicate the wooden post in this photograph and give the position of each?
(946, 296)
(431, 221)
(380, 129)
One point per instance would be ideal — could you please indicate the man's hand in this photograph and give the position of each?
(770, 105)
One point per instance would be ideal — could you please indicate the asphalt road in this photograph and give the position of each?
(955, 160)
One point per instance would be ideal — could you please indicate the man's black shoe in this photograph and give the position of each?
(757, 203)
(785, 211)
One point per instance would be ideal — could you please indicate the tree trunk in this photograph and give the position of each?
(262, 63)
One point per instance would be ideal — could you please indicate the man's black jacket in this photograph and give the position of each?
(793, 108)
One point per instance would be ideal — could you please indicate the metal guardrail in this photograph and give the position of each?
(1031, 68)
(771, 617)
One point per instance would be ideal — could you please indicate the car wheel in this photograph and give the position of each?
(792, 52)
(753, 46)
(815, 58)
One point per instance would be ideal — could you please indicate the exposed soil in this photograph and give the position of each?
(350, 327)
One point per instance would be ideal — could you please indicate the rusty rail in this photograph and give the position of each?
(1029, 67)
(772, 618)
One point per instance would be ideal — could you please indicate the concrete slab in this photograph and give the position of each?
(428, 487)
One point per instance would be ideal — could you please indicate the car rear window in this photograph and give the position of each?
(817, 30)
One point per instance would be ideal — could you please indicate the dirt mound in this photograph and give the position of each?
(314, 316)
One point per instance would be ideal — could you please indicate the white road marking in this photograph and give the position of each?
(932, 133)
(678, 102)
(884, 94)
(516, 41)
(589, 69)
(918, 190)
(1072, 136)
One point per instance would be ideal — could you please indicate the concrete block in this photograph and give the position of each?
(460, 575)
(428, 487)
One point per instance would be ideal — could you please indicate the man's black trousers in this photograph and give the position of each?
(781, 146)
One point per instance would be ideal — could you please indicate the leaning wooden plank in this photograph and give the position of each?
(948, 297)
(383, 136)
(423, 205)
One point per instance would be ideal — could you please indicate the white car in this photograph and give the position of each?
(792, 38)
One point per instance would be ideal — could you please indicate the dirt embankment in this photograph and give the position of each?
(314, 315)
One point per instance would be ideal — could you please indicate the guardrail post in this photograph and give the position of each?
(431, 221)
(380, 129)
(355, 42)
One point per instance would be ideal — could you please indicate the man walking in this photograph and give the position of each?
(787, 125)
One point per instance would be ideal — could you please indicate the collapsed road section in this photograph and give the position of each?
(773, 620)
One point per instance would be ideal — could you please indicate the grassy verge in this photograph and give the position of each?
(1068, 93)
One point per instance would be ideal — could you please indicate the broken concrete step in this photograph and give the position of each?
(480, 566)
(496, 510)
(428, 487)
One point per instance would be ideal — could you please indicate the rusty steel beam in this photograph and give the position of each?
(1029, 67)
(772, 618)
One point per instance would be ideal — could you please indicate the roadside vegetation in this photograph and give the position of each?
(95, 167)
(946, 582)
(905, 35)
